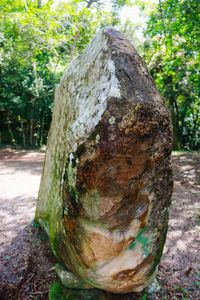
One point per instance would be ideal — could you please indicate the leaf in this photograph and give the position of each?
(34, 224)
(56, 291)
(43, 238)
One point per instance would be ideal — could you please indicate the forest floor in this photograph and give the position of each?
(26, 261)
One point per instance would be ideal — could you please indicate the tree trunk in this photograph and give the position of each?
(37, 134)
(31, 132)
(42, 129)
(23, 133)
(39, 3)
(11, 132)
(195, 124)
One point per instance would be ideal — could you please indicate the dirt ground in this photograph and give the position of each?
(26, 261)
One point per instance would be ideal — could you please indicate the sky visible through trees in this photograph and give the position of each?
(39, 38)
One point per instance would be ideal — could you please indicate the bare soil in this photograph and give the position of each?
(26, 261)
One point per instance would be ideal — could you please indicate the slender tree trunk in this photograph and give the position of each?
(175, 122)
(23, 133)
(25, 2)
(76, 38)
(27, 131)
(42, 130)
(31, 132)
(39, 3)
(90, 2)
(195, 123)
(11, 132)
(37, 135)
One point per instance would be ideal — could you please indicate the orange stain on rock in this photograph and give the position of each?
(129, 273)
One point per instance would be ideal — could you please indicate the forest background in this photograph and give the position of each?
(38, 39)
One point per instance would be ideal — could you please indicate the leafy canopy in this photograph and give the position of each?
(37, 41)
(172, 51)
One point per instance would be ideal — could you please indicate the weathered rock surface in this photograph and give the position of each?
(107, 180)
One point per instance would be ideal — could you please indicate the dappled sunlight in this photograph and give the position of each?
(20, 177)
(181, 251)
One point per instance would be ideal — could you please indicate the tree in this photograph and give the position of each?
(172, 52)
(37, 42)
(27, 77)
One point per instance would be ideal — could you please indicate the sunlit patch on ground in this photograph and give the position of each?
(26, 259)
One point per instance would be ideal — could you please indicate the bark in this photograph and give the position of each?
(31, 131)
(39, 3)
(42, 129)
(23, 133)
(11, 132)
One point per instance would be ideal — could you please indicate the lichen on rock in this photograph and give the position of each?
(107, 179)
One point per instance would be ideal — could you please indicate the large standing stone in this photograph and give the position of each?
(107, 180)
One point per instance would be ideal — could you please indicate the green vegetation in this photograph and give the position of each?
(36, 44)
(172, 52)
(58, 292)
(39, 38)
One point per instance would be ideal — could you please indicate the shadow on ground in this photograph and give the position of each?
(26, 265)
(26, 261)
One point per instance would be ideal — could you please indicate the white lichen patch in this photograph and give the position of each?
(154, 287)
(80, 101)
(112, 120)
(97, 138)
(86, 87)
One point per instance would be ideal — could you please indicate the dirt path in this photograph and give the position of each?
(25, 258)
(19, 181)
(179, 270)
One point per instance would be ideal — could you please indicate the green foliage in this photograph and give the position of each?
(34, 224)
(172, 52)
(36, 45)
(56, 291)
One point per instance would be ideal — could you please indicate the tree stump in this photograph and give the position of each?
(107, 178)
